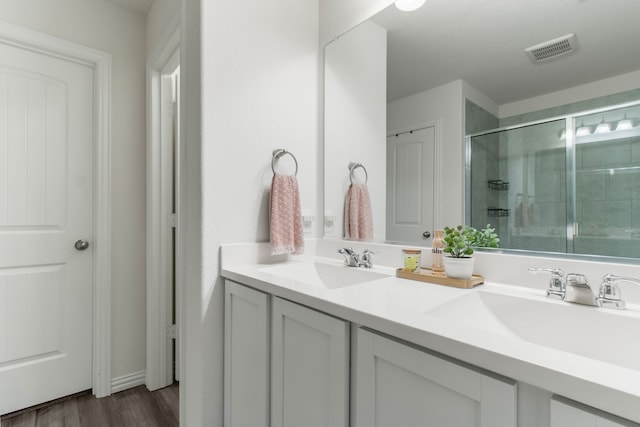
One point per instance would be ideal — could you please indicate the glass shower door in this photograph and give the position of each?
(518, 185)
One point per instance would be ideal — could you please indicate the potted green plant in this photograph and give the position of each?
(460, 241)
(485, 238)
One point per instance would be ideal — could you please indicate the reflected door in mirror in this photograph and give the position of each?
(410, 185)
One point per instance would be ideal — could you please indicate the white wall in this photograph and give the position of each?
(121, 32)
(480, 99)
(339, 16)
(162, 20)
(250, 85)
(444, 104)
(596, 89)
(355, 121)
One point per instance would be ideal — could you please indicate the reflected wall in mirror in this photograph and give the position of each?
(355, 123)
(449, 53)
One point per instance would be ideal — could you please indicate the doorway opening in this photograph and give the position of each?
(163, 236)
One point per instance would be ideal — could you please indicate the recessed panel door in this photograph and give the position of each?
(46, 225)
(410, 186)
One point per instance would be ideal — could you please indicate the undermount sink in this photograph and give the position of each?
(586, 331)
(326, 275)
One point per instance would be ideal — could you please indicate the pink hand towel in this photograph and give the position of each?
(358, 221)
(285, 217)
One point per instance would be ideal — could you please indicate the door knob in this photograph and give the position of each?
(426, 234)
(81, 245)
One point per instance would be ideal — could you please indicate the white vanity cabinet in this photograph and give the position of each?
(399, 385)
(565, 413)
(246, 356)
(309, 367)
(285, 365)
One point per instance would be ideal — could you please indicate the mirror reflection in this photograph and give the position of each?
(456, 68)
(569, 185)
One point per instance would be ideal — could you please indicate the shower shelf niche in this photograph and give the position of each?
(498, 184)
(497, 212)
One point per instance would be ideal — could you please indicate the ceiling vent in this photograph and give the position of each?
(553, 48)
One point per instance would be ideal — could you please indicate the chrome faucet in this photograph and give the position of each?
(352, 259)
(574, 288)
(578, 290)
(557, 284)
(609, 295)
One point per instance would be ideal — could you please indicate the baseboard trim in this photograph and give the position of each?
(126, 382)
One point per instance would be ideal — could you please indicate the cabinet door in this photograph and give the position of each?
(309, 369)
(246, 357)
(398, 385)
(566, 413)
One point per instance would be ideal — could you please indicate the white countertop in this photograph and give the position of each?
(398, 307)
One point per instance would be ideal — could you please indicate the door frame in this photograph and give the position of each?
(100, 62)
(159, 367)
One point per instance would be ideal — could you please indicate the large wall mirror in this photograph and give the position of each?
(404, 88)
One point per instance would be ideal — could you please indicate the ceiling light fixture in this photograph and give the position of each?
(562, 134)
(583, 130)
(409, 5)
(625, 124)
(603, 127)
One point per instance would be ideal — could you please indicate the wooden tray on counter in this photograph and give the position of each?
(426, 275)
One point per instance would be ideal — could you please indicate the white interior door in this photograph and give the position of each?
(46, 206)
(410, 186)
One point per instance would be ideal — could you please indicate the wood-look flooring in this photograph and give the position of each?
(136, 407)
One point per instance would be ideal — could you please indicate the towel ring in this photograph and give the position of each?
(353, 166)
(279, 152)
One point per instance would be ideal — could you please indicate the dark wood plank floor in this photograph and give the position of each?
(136, 407)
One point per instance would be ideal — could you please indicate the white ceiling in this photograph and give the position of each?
(141, 6)
(483, 42)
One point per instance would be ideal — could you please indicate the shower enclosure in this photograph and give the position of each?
(570, 184)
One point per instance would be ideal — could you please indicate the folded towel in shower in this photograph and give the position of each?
(285, 216)
(358, 221)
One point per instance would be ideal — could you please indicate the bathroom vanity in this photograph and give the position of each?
(311, 342)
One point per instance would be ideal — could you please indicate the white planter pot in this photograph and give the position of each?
(458, 268)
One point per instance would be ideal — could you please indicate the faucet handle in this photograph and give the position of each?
(553, 271)
(367, 258)
(610, 295)
(557, 282)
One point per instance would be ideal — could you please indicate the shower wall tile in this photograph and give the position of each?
(551, 160)
(552, 214)
(548, 243)
(485, 167)
(551, 186)
(591, 185)
(479, 191)
(611, 214)
(623, 185)
(606, 154)
(626, 248)
(478, 119)
(635, 215)
(635, 150)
